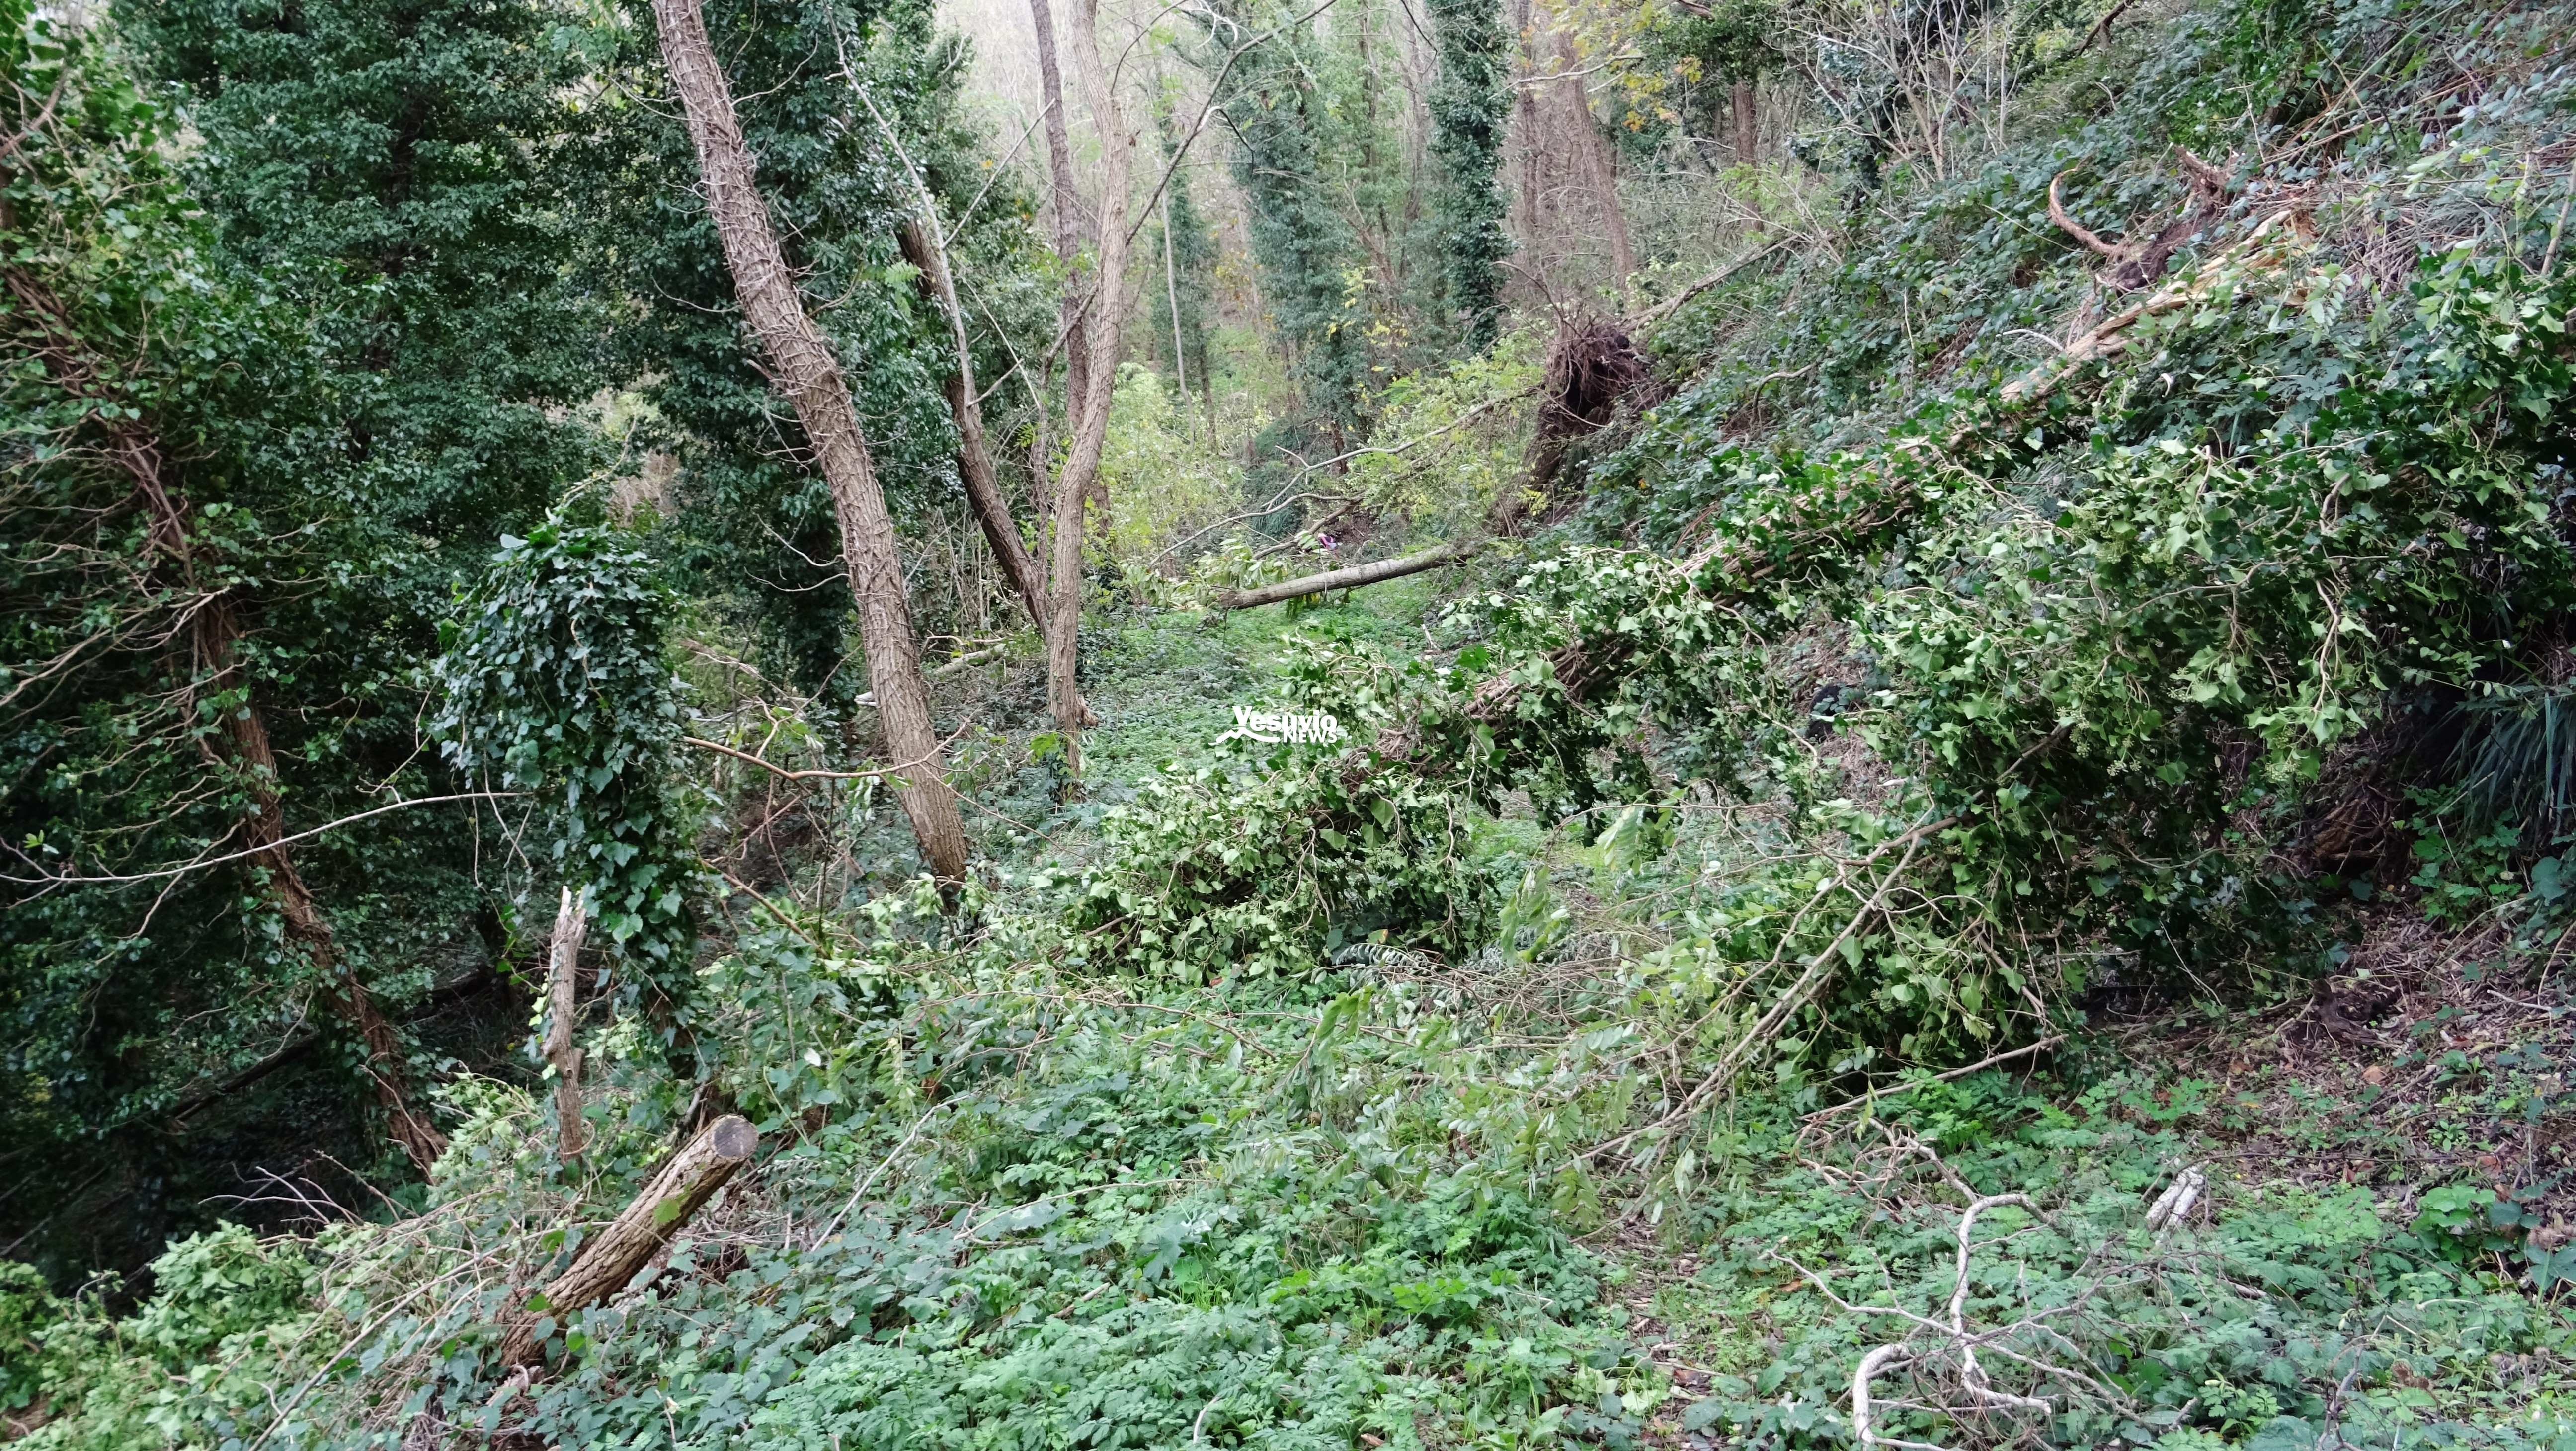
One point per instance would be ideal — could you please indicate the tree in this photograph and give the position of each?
(808, 373)
(1180, 328)
(1094, 311)
(190, 691)
(1469, 104)
(1306, 247)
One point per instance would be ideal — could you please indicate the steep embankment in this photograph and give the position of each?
(1999, 882)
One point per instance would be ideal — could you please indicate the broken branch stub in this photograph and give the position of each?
(648, 1222)
(564, 955)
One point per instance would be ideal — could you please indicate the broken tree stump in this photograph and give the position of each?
(571, 924)
(610, 1258)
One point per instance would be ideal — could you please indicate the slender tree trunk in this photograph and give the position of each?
(1096, 315)
(1068, 208)
(974, 458)
(1600, 168)
(1172, 300)
(1525, 218)
(805, 370)
(1747, 139)
(1355, 577)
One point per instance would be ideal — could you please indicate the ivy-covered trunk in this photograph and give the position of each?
(254, 765)
(811, 378)
(1468, 106)
(216, 679)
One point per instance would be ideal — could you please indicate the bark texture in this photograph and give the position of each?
(610, 1258)
(1747, 136)
(1600, 168)
(563, 959)
(802, 367)
(1351, 578)
(1068, 205)
(1096, 316)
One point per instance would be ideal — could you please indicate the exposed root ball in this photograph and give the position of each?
(1591, 366)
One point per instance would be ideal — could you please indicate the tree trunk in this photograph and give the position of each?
(1351, 578)
(1068, 210)
(974, 459)
(245, 734)
(803, 367)
(610, 1258)
(1525, 121)
(212, 636)
(1746, 137)
(1600, 168)
(563, 958)
(1098, 315)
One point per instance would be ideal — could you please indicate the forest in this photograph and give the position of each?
(1390, 725)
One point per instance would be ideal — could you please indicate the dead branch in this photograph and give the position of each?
(1980, 1065)
(563, 955)
(1809, 982)
(2057, 213)
(2109, 337)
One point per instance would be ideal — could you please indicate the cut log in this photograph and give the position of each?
(571, 925)
(610, 1258)
(1351, 578)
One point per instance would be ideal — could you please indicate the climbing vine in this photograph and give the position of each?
(555, 684)
(1468, 104)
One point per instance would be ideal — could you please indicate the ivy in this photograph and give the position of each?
(555, 683)
(1469, 103)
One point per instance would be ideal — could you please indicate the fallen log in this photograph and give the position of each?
(610, 1258)
(1351, 578)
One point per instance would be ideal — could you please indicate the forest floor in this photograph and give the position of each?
(2397, 1100)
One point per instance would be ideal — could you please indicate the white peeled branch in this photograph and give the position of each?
(2175, 1205)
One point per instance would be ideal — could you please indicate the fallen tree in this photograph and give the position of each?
(1351, 578)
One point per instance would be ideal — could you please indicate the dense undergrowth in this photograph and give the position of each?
(2134, 700)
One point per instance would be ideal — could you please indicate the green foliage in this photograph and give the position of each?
(2118, 633)
(2285, 1303)
(225, 1306)
(556, 683)
(178, 468)
(1216, 871)
(1190, 257)
(1468, 105)
(424, 183)
(1353, 268)
(755, 525)
(28, 1309)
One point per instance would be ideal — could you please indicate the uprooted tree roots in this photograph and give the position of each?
(1591, 368)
